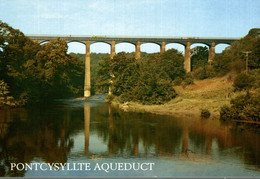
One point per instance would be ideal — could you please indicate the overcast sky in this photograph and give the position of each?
(193, 18)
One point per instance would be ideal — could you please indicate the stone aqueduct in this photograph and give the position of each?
(137, 41)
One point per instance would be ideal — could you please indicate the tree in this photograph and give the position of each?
(171, 62)
(18, 52)
(36, 73)
(148, 81)
(55, 68)
(233, 58)
(199, 57)
(103, 77)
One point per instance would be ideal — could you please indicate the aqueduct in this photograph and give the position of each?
(211, 42)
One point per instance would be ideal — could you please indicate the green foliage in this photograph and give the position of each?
(243, 107)
(205, 113)
(225, 113)
(233, 58)
(96, 87)
(148, 81)
(177, 81)
(5, 99)
(188, 80)
(201, 69)
(243, 82)
(103, 77)
(36, 73)
(199, 57)
(171, 62)
(200, 73)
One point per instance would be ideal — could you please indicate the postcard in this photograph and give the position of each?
(130, 89)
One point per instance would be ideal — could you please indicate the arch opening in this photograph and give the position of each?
(44, 42)
(125, 47)
(199, 44)
(220, 47)
(76, 47)
(177, 46)
(100, 47)
(150, 47)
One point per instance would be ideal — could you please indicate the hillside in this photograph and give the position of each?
(209, 94)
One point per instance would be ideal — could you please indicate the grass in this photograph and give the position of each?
(210, 94)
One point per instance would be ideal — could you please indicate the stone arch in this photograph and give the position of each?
(221, 46)
(150, 47)
(133, 43)
(43, 42)
(124, 46)
(199, 44)
(105, 42)
(72, 41)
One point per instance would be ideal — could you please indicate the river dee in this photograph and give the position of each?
(92, 139)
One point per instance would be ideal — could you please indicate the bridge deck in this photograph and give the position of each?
(135, 39)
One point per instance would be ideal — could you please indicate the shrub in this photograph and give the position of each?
(188, 81)
(204, 113)
(243, 82)
(199, 73)
(243, 107)
(238, 66)
(177, 81)
(225, 113)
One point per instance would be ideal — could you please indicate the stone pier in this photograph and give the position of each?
(138, 50)
(162, 48)
(187, 58)
(87, 85)
(211, 52)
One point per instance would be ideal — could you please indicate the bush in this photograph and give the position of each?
(238, 66)
(188, 80)
(199, 73)
(243, 107)
(177, 81)
(225, 113)
(205, 113)
(202, 73)
(243, 82)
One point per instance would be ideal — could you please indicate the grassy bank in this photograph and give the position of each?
(210, 94)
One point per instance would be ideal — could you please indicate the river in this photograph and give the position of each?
(93, 133)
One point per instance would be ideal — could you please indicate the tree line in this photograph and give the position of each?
(32, 73)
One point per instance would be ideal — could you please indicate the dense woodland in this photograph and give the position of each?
(31, 73)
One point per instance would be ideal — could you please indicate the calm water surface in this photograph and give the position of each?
(93, 132)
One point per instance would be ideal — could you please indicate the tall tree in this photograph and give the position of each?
(199, 57)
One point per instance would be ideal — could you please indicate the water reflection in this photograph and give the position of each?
(48, 134)
(86, 126)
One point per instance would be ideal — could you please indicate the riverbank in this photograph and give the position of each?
(210, 94)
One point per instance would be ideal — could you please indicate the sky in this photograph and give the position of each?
(181, 18)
